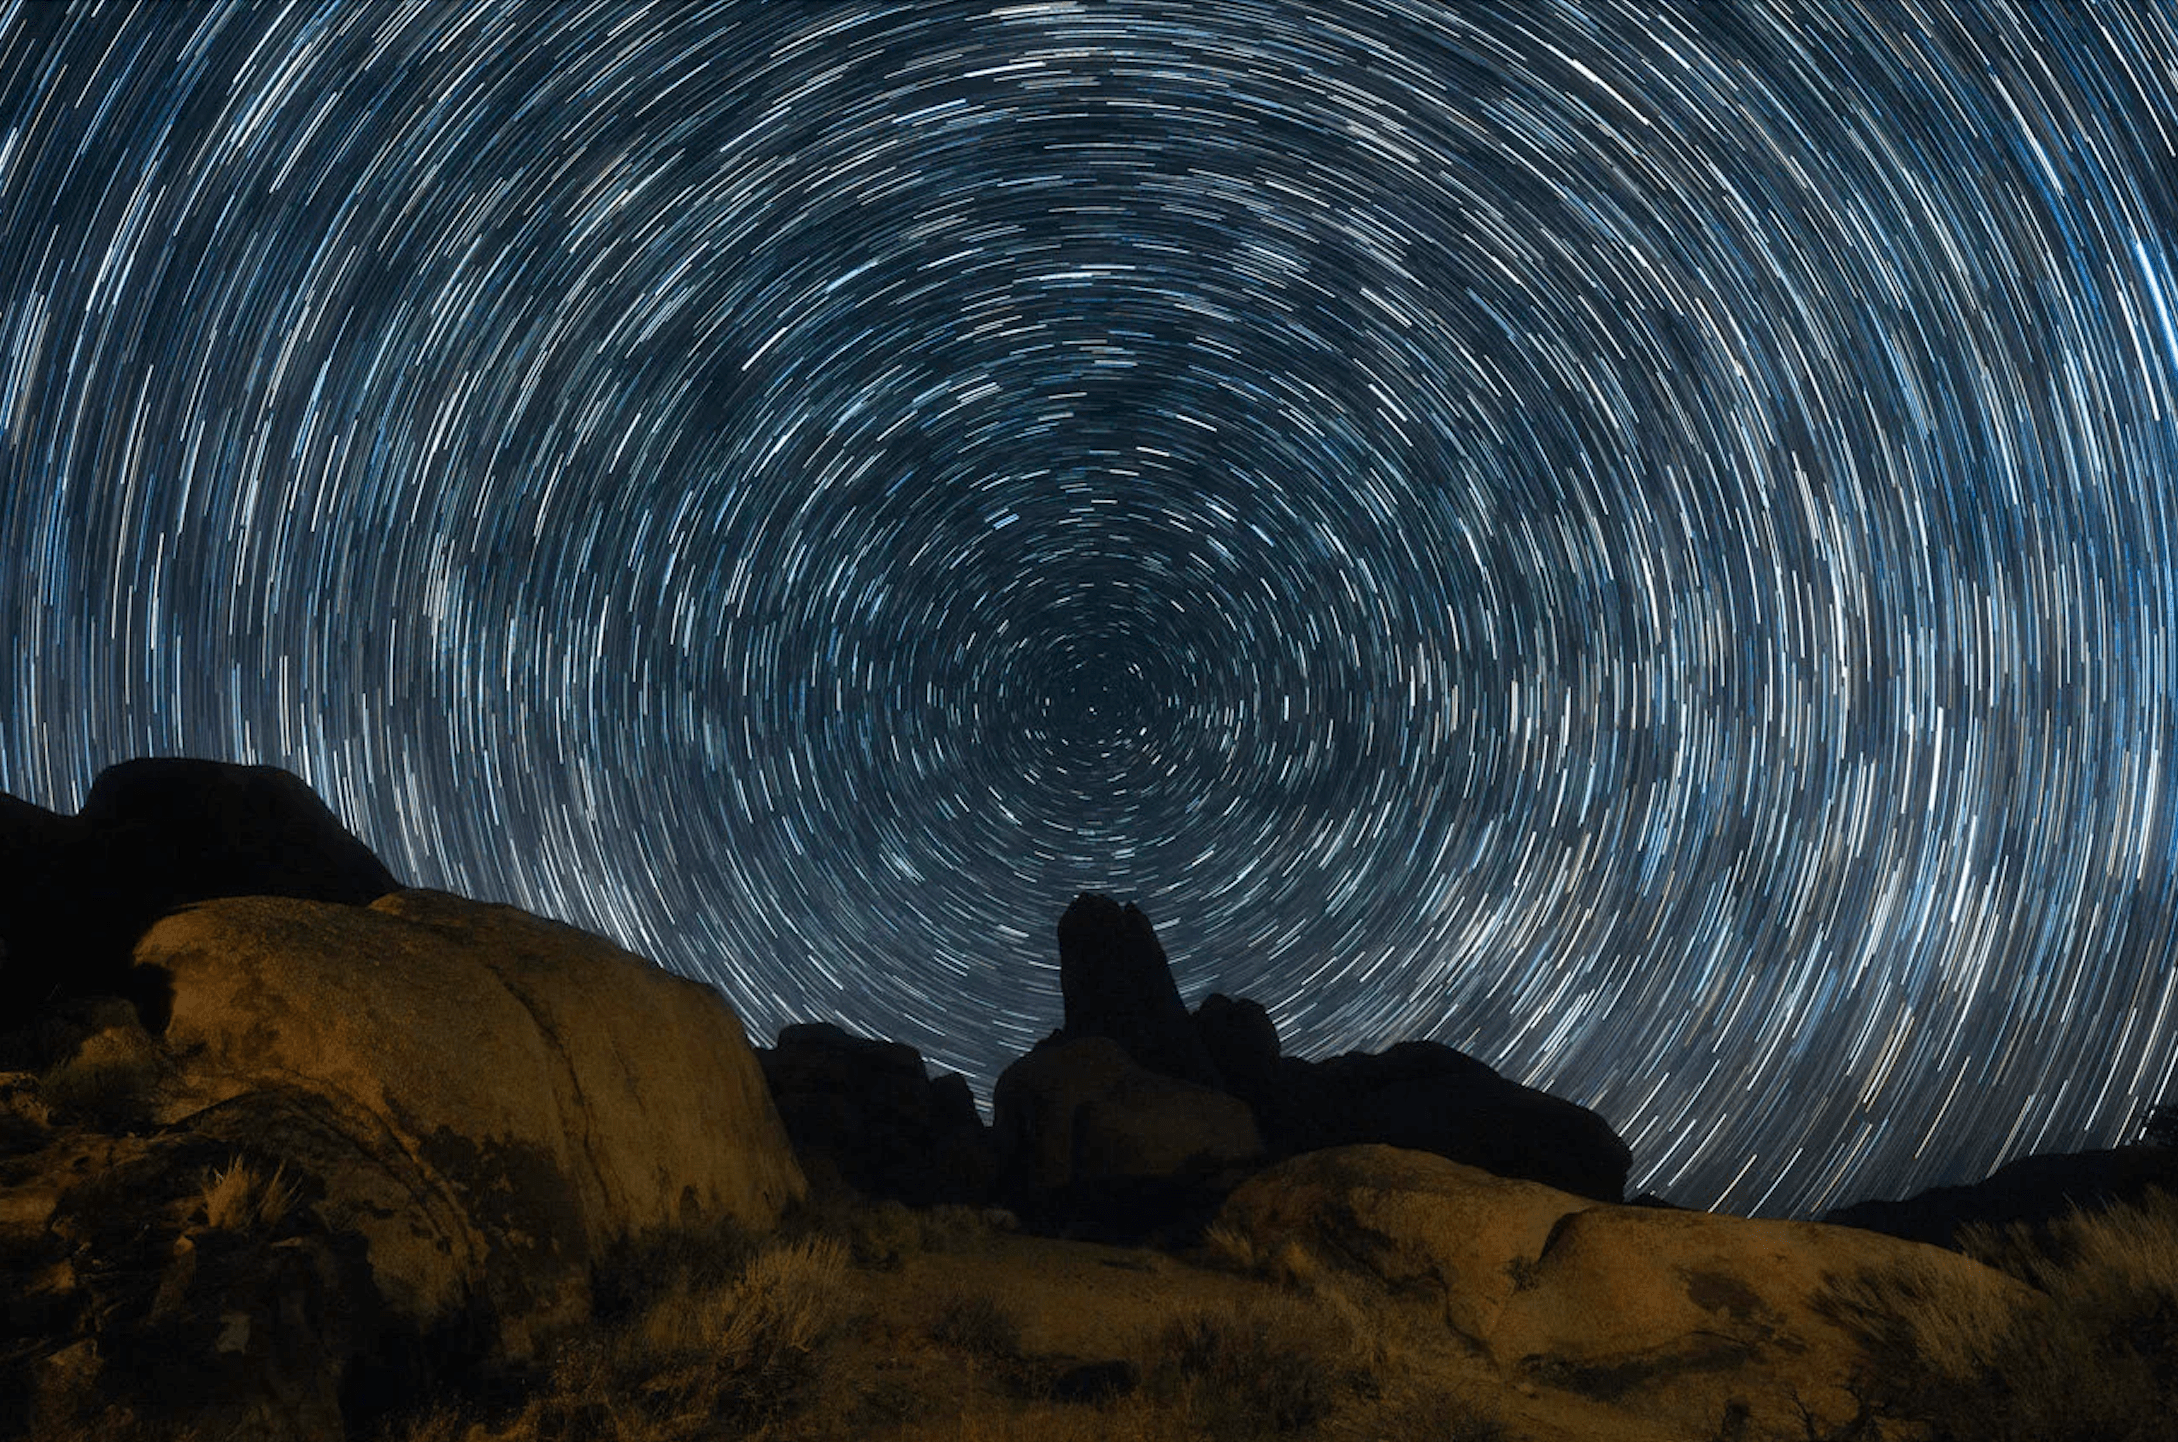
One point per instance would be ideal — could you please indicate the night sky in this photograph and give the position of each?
(1636, 540)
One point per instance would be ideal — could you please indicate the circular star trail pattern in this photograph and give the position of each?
(1636, 540)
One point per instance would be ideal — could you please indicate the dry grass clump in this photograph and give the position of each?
(2091, 1357)
(241, 1198)
(743, 1358)
(978, 1325)
(1289, 1264)
(1249, 1372)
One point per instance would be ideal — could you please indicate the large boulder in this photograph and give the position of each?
(154, 835)
(516, 1096)
(1679, 1317)
(1116, 983)
(1242, 1041)
(1415, 1221)
(867, 1111)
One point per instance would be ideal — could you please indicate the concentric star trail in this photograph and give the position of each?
(1633, 539)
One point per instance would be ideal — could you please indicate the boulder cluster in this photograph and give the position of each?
(1136, 1117)
(283, 1145)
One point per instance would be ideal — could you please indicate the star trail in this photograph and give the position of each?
(1632, 539)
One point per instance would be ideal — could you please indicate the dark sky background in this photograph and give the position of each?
(1635, 540)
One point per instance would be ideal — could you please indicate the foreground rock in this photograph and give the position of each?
(77, 891)
(373, 1147)
(557, 1092)
(867, 1112)
(1677, 1317)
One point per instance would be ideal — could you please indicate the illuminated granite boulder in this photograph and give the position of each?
(514, 1096)
(1677, 1318)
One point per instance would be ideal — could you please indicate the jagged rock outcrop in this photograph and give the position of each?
(1116, 983)
(2033, 1191)
(153, 835)
(1677, 1317)
(867, 1111)
(1421, 1094)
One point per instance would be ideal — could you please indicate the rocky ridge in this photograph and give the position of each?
(287, 1150)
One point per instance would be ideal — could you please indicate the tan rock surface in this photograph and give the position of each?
(1673, 1316)
(1412, 1219)
(551, 1092)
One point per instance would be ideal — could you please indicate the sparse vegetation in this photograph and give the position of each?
(106, 1093)
(2092, 1356)
(978, 1326)
(1246, 1373)
(240, 1198)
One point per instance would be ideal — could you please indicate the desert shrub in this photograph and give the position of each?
(702, 1362)
(954, 1228)
(2090, 1356)
(979, 1326)
(1229, 1248)
(1422, 1410)
(110, 1093)
(1247, 1372)
(241, 1198)
(637, 1271)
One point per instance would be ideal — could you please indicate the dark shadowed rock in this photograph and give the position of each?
(154, 835)
(868, 1109)
(1116, 983)
(1425, 1096)
(1098, 1146)
(1086, 1110)
(2032, 1190)
(1242, 1041)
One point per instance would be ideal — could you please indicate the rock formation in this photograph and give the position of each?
(556, 1092)
(1116, 983)
(867, 1111)
(1675, 1317)
(153, 835)
(2031, 1191)
(433, 1119)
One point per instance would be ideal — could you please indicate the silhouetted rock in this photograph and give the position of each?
(1086, 1110)
(2032, 1190)
(1425, 1096)
(153, 835)
(882, 1124)
(1429, 1097)
(1116, 983)
(1242, 1041)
